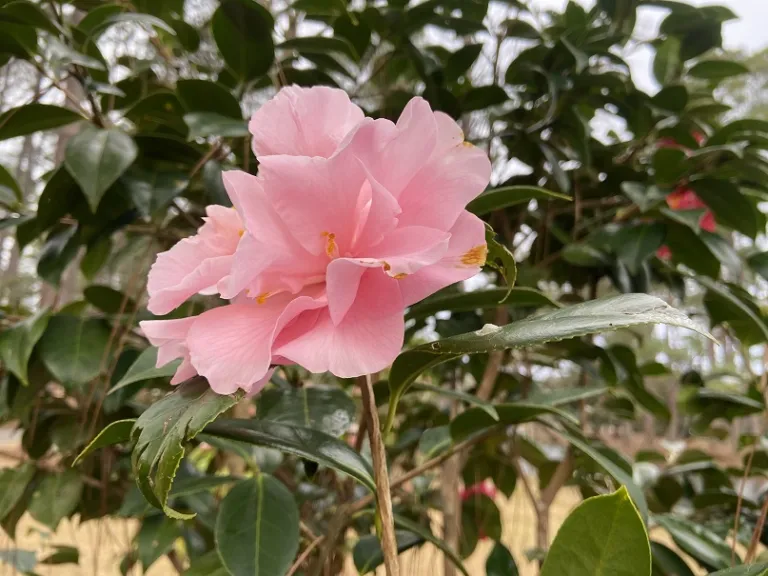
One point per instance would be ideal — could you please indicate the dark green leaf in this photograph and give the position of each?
(635, 244)
(475, 420)
(304, 442)
(730, 206)
(586, 255)
(717, 69)
(461, 61)
(73, 348)
(481, 300)
(204, 124)
(155, 538)
(56, 497)
(367, 554)
(610, 466)
(257, 528)
(17, 342)
(521, 29)
(242, 30)
(25, 12)
(483, 97)
(13, 482)
(321, 44)
(63, 555)
(108, 299)
(144, 369)
(603, 536)
(60, 248)
(114, 433)
(97, 255)
(500, 562)
(667, 64)
(329, 410)
(96, 158)
(160, 434)
(207, 96)
(187, 35)
(480, 517)
(500, 198)
(17, 40)
(752, 570)
(152, 190)
(702, 544)
(31, 118)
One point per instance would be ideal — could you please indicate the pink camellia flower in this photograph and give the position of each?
(486, 488)
(683, 198)
(349, 221)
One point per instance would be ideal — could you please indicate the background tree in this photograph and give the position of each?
(122, 116)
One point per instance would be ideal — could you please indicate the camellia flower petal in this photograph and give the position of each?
(349, 221)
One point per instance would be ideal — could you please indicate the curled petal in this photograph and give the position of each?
(232, 345)
(195, 264)
(367, 340)
(463, 259)
(169, 336)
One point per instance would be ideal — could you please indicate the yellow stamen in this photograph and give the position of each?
(261, 298)
(330, 248)
(400, 276)
(475, 256)
(241, 232)
(387, 267)
(467, 144)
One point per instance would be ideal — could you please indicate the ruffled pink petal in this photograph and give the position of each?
(268, 258)
(169, 336)
(303, 122)
(317, 199)
(367, 340)
(406, 250)
(342, 282)
(464, 258)
(394, 154)
(195, 264)
(444, 186)
(232, 345)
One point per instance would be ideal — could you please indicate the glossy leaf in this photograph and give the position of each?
(160, 434)
(506, 196)
(152, 190)
(603, 536)
(207, 96)
(204, 124)
(328, 410)
(702, 544)
(17, 343)
(242, 30)
(304, 442)
(426, 534)
(56, 498)
(257, 528)
(320, 44)
(13, 482)
(114, 433)
(475, 420)
(96, 159)
(666, 562)
(604, 314)
(500, 562)
(367, 554)
(32, 118)
(717, 69)
(73, 348)
(144, 369)
(481, 300)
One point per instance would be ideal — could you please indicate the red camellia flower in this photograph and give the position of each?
(683, 198)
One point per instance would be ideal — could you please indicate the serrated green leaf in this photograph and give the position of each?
(160, 434)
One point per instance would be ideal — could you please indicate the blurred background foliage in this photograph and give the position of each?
(116, 121)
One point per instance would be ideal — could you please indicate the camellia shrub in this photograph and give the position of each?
(311, 284)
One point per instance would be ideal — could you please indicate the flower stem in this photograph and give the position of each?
(383, 496)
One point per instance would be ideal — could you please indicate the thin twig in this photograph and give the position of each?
(381, 474)
(304, 555)
(739, 502)
(752, 550)
(208, 155)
